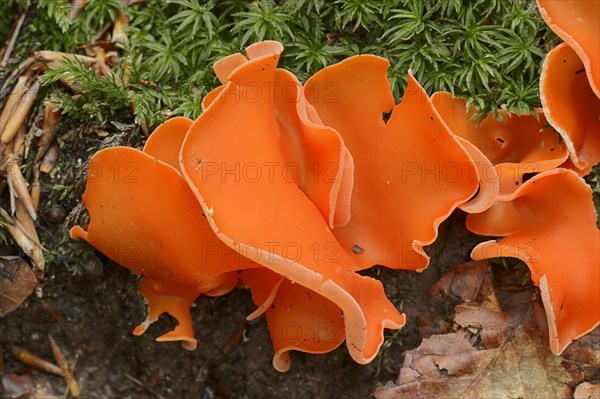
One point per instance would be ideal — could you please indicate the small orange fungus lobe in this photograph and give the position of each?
(550, 224)
(577, 22)
(300, 319)
(263, 284)
(165, 142)
(316, 158)
(410, 172)
(570, 105)
(518, 146)
(144, 216)
(266, 216)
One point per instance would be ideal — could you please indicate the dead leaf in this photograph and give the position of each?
(16, 386)
(469, 281)
(587, 391)
(495, 353)
(17, 282)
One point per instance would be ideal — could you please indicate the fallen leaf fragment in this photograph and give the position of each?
(494, 353)
(469, 281)
(587, 391)
(577, 22)
(16, 386)
(518, 146)
(410, 172)
(570, 105)
(17, 282)
(550, 224)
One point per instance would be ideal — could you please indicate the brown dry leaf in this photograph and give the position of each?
(16, 386)
(17, 282)
(494, 353)
(587, 391)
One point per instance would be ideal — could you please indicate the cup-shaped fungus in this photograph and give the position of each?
(315, 156)
(297, 317)
(577, 22)
(410, 172)
(516, 146)
(571, 106)
(144, 216)
(265, 215)
(550, 223)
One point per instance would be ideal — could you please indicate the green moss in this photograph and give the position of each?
(489, 51)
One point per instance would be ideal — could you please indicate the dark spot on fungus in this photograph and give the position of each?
(500, 140)
(357, 249)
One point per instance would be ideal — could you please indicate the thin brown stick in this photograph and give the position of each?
(26, 357)
(20, 113)
(49, 129)
(13, 100)
(141, 384)
(55, 56)
(13, 39)
(17, 181)
(27, 244)
(50, 159)
(27, 222)
(119, 35)
(36, 190)
(62, 363)
(76, 7)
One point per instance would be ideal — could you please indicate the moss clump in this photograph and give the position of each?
(488, 51)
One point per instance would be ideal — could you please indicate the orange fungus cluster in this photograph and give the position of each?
(290, 190)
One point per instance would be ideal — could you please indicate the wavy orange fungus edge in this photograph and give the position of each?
(251, 215)
(550, 224)
(423, 172)
(156, 232)
(577, 22)
(571, 106)
(516, 146)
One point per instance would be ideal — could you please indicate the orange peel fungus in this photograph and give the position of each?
(571, 106)
(577, 22)
(266, 216)
(410, 172)
(550, 223)
(517, 146)
(144, 216)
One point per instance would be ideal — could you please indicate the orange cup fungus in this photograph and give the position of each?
(266, 215)
(550, 223)
(144, 216)
(410, 172)
(571, 106)
(577, 22)
(517, 146)
(290, 190)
